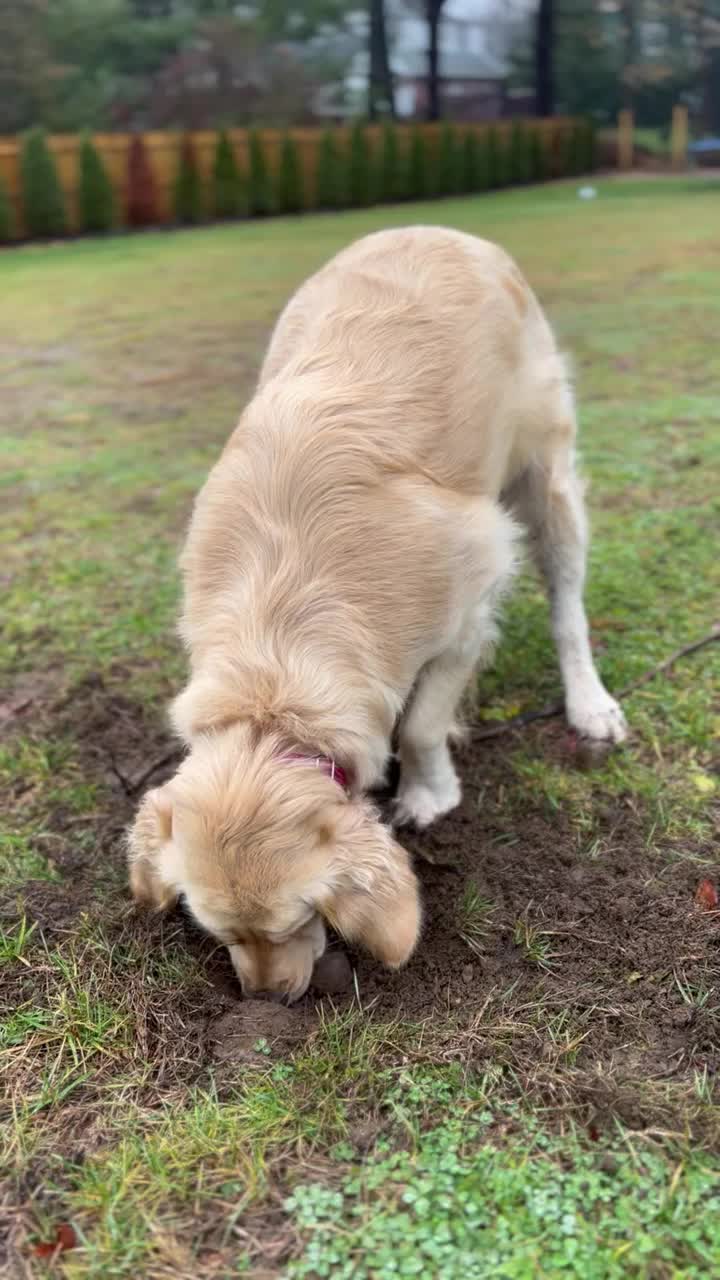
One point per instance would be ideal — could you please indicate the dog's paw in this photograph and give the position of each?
(599, 722)
(418, 805)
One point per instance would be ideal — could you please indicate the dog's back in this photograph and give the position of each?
(438, 345)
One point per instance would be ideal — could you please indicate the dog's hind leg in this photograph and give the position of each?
(548, 498)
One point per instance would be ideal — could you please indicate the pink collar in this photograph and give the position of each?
(325, 763)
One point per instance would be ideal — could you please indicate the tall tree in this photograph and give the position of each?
(606, 54)
(433, 12)
(544, 50)
(70, 64)
(26, 65)
(584, 60)
(704, 16)
(631, 50)
(381, 98)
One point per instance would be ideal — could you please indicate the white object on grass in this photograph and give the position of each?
(587, 193)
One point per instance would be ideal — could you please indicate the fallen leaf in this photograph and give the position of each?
(706, 896)
(65, 1238)
(704, 783)
(633, 977)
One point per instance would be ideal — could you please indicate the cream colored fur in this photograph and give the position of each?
(351, 546)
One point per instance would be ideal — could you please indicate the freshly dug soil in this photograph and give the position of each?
(601, 953)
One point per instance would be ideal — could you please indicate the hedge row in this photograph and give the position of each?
(350, 173)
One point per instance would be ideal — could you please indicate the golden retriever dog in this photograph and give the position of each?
(342, 573)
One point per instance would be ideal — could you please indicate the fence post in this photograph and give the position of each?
(679, 137)
(626, 125)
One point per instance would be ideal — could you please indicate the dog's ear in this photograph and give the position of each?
(369, 893)
(149, 842)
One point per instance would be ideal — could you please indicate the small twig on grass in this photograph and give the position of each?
(519, 722)
(712, 636)
(557, 708)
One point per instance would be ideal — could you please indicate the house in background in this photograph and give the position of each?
(474, 37)
(472, 77)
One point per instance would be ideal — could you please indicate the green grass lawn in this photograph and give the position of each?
(500, 1135)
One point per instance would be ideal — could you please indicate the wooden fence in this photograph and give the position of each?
(163, 150)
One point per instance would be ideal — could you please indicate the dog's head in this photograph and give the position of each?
(263, 853)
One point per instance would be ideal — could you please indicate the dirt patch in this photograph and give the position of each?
(545, 959)
(104, 743)
(21, 700)
(121, 743)
(590, 931)
(251, 1031)
(103, 740)
(532, 955)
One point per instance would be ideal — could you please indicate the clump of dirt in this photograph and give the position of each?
(332, 973)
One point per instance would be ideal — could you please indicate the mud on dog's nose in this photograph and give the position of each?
(275, 997)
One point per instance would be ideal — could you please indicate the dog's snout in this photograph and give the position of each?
(276, 997)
